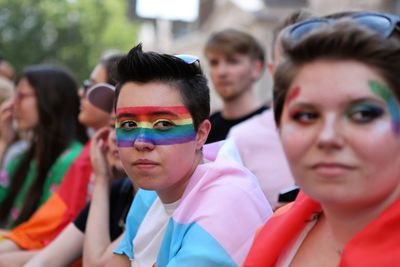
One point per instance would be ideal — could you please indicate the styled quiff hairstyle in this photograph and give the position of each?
(145, 67)
(230, 42)
(343, 40)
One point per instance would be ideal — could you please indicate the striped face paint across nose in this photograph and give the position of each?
(154, 125)
(394, 109)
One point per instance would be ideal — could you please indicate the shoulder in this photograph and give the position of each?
(71, 152)
(222, 185)
(216, 116)
(262, 122)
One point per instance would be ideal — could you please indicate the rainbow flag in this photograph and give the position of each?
(59, 210)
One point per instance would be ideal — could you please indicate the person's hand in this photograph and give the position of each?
(7, 132)
(98, 151)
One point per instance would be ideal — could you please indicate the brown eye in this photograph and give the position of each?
(304, 117)
(128, 125)
(163, 125)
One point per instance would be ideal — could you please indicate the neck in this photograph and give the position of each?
(345, 223)
(175, 191)
(240, 106)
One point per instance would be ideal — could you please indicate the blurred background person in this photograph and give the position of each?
(236, 62)
(46, 105)
(257, 139)
(23, 241)
(97, 229)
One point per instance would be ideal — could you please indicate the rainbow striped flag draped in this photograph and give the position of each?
(59, 210)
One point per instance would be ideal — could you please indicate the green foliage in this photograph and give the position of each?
(73, 33)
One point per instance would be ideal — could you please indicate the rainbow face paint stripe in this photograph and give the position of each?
(394, 109)
(154, 125)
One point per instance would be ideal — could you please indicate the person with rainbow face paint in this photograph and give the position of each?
(190, 210)
(336, 103)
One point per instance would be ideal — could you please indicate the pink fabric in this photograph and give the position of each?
(223, 191)
(261, 151)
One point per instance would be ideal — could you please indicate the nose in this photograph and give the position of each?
(144, 141)
(220, 68)
(330, 136)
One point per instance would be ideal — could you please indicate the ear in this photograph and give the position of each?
(258, 67)
(202, 133)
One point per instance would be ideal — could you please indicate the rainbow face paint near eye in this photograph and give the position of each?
(380, 90)
(155, 125)
(364, 112)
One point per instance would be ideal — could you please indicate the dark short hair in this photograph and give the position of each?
(231, 41)
(144, 67)
(110, 63)
(344, 40)
(292, 18)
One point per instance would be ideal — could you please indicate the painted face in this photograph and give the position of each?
(90, 115)
(25, 106)
(234, 75)
(155, 125)
(338, 134)
(158, 145)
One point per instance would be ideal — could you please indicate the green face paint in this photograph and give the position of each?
(394, 109)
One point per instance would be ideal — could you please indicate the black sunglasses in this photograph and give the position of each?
(382, 23)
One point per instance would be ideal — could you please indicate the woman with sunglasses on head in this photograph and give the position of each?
(336, 103)
(46, 105)
(97, 229)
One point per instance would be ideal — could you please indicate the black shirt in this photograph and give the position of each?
(220, 126)
(121, 196)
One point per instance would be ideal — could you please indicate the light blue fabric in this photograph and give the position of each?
(191, 245)
(141, 204)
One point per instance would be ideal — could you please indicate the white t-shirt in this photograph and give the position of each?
(151, 232)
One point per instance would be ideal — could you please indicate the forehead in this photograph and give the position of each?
(99, 74)
(224, 54)
(325, 81)
(155, 94)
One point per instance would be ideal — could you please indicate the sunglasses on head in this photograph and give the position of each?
(87, 84)
(383, 23)
(188, 59)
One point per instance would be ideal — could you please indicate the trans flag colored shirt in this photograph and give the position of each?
(214, 223)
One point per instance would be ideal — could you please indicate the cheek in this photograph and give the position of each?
(295, 142)
(179, 158)
(125, 156)
(375, 142)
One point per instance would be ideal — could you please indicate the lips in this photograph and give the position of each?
(331, 169)
(145, 164)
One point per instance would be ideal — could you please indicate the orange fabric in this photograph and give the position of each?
(30, 235)
(61, 208)
(376, 245)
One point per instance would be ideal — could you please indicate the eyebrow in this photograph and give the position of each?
(156, 113)
(149, 110)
